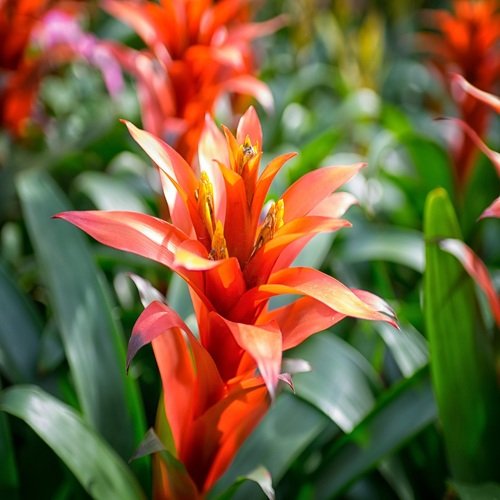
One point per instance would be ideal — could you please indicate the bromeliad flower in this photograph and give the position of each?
(467, 41)
(35, 36)
(490, 100)
(196, 52)
(472, 264)
(234, 256)
(19, 76)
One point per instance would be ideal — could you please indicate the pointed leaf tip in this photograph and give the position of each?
(149, 445)
(264, 479)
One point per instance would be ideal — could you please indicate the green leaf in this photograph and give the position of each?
(401, 246)
(109, 193)
(51, 349)
(407, 346)
(315, 252)
(92, 339)
(98, 468)
(394, 473)
(9, 480)
(259, 475)
(398, 415)
(484, 491)
(340, 382)
(20, 332)
(313, 153)
(178, 297)
(149, 445)
(462, 362)
(431, 162)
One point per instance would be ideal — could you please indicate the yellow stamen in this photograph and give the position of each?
(219, 248)
(247, 152)
(271, 224)
(205, 197)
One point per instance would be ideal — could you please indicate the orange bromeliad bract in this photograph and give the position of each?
(471, 262)
(234, 258)
(20, 72)
(196, 52)
(467, 42)
(36, 36)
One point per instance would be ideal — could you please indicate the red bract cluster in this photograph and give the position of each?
(196, 52)
(19, 73)
(36, 36)
(235, 255)
(471, 262)
(466, 41)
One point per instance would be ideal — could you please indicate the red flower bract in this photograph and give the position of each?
(196, 52)
(36, 36)
(234, 258)
(467, 41)
(470, 261)
(19, 76)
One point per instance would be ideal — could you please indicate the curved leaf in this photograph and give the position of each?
(397, 416)
(259, 475)
(401, 246)
(462, 362)
(98, 468)
(93, 343)
(407, 346)
(9, 480)
(109, 192)
(19, 333)
(340, 381)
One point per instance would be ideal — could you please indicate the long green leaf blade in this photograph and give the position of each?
(9, 480)
(92, 340)
(398, 416)
(99, 469)
(348, 395)
(19, 332)
(402, 246)
(462, 361)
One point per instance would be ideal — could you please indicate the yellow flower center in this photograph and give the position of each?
(271, 224)
(205, 198)
(247, 152)
(219, 248)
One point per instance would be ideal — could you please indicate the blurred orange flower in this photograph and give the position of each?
(466, 41)
(19, 78)
(35, 36)
(471, 262)
(196, 52)
(234, 255)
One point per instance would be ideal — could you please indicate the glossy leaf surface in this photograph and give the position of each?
(92, 340)
(462, 363)
(99, 469)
